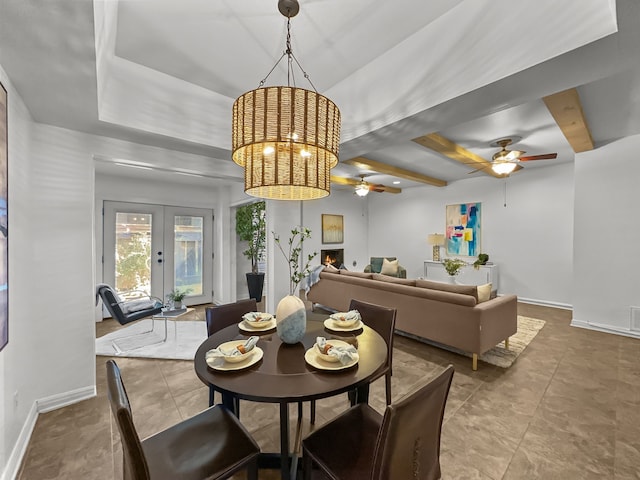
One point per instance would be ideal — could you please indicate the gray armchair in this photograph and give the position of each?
(375, 266)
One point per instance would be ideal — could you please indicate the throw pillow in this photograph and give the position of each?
(331, 268)
(484, 292)
(389, 267)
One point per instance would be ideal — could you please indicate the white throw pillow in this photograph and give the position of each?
(389, 267)
(484, 292)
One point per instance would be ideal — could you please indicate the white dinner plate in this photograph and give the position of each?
(220, 364)
(331, 324)
(312, 358)
(259, 327)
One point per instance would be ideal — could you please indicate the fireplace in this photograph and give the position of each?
(333, 257)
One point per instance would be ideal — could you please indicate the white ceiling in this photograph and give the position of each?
(165, 73)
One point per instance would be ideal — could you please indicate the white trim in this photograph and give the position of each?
(545, 303)
(599, 327)
(63, 399)
(17, 454)
(40, 406)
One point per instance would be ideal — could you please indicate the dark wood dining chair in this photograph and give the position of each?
(210, 445)
(404, 443)
(222, 316)
(383, 321)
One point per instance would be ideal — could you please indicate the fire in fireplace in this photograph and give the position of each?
(333, 257)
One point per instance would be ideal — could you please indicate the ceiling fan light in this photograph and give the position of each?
(362, 189)
(503, 168)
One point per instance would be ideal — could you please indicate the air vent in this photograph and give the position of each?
(635, 319)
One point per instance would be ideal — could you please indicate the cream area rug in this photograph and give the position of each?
(183, 339)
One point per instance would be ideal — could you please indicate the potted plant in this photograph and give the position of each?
(251, 227)
(176, 296)
(453, 266)
(483, 258)
(291, 316)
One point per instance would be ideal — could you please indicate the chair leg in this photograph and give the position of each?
(313, 412)
(211, 396)
(252, 469)
(387, 387)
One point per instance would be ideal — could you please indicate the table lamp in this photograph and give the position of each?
(437, 240)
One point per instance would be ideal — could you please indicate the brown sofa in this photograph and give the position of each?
(440, 312)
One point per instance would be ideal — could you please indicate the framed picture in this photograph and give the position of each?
(463, 229)
(4, 225)
(332, 228)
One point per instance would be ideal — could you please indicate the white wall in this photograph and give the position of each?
(49, 358)
(607, 228)
(530, 239)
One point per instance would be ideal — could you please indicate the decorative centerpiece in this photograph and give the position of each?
(291, 315)
(483, 258)
(453, 266)
(176, 296)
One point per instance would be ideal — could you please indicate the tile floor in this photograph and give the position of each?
(569, 408)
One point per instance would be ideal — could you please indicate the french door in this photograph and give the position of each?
(155, 249)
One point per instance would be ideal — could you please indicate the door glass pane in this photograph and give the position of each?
(188, 253)
(133, 254)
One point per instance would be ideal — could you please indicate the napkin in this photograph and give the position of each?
(257, 317)
(351, 315)
(344, 354)
(217, 353)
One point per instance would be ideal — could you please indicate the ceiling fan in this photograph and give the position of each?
(505, 161)
(363, 187)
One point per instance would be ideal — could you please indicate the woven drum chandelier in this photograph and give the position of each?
(286, 138)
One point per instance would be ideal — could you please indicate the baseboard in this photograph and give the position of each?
(40, 406)
(14, 461)
(63, 399)
(545, 303)
(598, 327)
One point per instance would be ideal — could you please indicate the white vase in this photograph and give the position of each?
(452, 280)
(291, 319)
(177, 304)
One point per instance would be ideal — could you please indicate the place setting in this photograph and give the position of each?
(234, 355)
(332, 354)
(350, 321)
(257, 322)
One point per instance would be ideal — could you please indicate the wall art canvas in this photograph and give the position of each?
(332, 228)
(4, 226)
(463, 229)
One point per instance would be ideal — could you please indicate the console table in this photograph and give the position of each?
(467, 276)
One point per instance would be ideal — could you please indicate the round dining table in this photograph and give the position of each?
(283, 375)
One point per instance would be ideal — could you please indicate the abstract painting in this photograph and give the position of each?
(463, 229)
(4, 226)
(332, 228)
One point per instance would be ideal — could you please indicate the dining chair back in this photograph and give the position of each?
(211, 445)
(404, 443)
(223, 316)
(383, 321)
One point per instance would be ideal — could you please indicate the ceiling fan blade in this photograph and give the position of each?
(546, 156)
(373, 188)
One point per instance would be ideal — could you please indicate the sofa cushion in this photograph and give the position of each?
(400, 281)
(389, 267)
(448, 287)
(484, 292)
(376, 263)
(355, 274)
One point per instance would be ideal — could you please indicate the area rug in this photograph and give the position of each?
(181, 344)
(528, 328)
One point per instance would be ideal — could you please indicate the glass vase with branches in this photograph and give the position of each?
(298, 267)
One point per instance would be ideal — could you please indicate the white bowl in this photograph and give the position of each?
(324, 356)
(229, 346)
(264, 318)
(341, 321)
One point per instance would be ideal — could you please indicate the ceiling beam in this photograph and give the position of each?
(372, 187)
(566, 109)
(446, 147)
(368, 164)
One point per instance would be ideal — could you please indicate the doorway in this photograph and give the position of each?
(153, 249)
